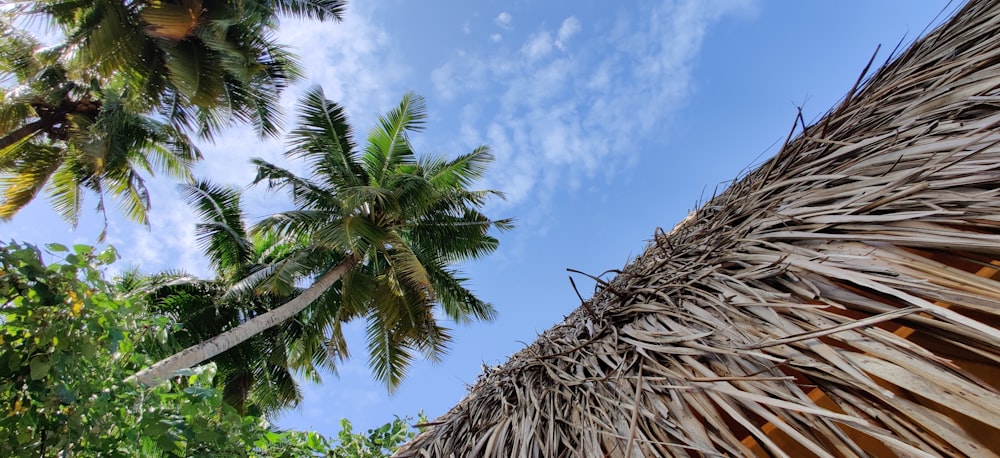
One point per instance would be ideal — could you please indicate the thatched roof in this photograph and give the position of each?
(841, 300)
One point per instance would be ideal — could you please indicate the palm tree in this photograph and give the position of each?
(379, 228)
(160, 69)
(841, 300)
(257, 375)
(204, 63)
(67, 132)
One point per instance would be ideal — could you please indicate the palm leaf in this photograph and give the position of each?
(278, 278)
(220, 231)
(457, 302)
(318, 9)
(389, 356)
(387, 145)
(24, 179)
(406, 267)
(304, 192)
(129, 189)
(65, 194)
(197, 78)
(323, 139)
(108, 34)
(460, 172)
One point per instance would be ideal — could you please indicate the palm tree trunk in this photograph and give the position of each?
(22, 132)
(164, 369)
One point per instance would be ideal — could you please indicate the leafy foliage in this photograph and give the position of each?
(67, 343)
(378, 442)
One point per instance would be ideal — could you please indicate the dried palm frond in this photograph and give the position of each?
(841, 300)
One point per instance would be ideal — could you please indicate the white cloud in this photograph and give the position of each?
(353, 60)
(444, 79)
(496, 37)
(538, 46)
(562, 119)
(569, 27)
(504, 20)
(464, 74)
(601, 77)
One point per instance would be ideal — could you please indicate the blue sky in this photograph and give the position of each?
(608, 120)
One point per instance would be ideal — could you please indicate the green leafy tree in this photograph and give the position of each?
(67, 343)
(378, 229)
(377, 442)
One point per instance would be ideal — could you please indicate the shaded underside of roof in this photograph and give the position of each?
(840, 300)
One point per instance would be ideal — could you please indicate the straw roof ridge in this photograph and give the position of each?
(839, 300)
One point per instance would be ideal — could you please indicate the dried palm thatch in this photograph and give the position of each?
(841, 300)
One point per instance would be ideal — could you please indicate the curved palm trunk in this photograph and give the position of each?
(48, 117)
(164, 369)
(24, 131)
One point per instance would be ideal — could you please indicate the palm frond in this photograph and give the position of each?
(462, 237)
(130, 191)
(406, 267)
(358, 290)
(389, 356)
(354, 234)
(220, 231)
(457, 302)
(314, 9)
(324, 139)
(295, 223)
(132, 282)
(65, 194)
(277, 278)
(17, 53)
(20, 183)
(107, 34)
(304, 192)
(368, 201)
(195, 72)
(13, 114)
(387, 144)
(460, 172)
(413, 195)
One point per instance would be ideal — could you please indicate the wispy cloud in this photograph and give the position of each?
(560, 110)
(569, 27)
(465, 74)
(538, 46)
(504, 20)
(354, 60)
